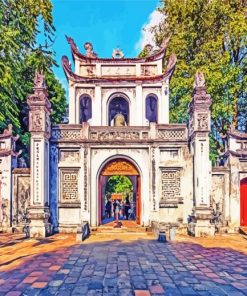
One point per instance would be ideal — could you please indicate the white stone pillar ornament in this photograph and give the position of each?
(40, 128)
(199, 128)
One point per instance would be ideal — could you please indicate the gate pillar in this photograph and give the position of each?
(199, 128)
(40, 128)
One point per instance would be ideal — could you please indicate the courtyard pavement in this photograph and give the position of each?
(135, 266)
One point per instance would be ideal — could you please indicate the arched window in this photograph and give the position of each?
(118, 111)
(85, 108)
(151, 108)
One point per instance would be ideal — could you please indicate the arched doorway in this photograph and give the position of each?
(119, 167)
(118, 105)
(243, 202)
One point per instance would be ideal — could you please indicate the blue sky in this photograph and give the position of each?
(105, 23)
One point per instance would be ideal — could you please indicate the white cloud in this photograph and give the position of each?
(146, 35)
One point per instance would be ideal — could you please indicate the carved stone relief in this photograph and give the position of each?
(69, 185)
(87, 70)
(21, 198)
(70, 156)
(36, 121)
(202, 121)
(84, 91)
(148, 70)
(102, 136)
(170, 182)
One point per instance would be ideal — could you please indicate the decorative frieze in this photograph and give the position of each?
(67, 134)
(69, 185)
(85, 91)
(170, 186)
(172, 134)
(115, 135)
(70, 156)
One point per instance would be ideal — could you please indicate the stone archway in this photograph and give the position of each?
(243, 202)
(120, 167)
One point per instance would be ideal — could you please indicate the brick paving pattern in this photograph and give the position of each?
(140, 267)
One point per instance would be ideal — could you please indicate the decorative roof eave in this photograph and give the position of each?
(76, 54)
(237, 135)
(239, 153)
(93, 79)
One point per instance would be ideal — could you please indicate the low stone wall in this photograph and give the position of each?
(20, 197)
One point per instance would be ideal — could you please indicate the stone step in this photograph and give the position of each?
(118, 230)
(243, 230)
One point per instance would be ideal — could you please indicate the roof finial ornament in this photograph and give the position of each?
(117, 53)
(89, 50)
(199, 79)
(39, 79)
(148, 48)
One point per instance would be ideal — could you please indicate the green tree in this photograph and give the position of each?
(119, 184)
(211, 36)
(22, 23)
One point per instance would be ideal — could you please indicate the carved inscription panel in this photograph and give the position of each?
(118, 70)
(69, 185)
(149, 70)
(170, 182)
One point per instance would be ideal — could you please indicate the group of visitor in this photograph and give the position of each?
(119, 209)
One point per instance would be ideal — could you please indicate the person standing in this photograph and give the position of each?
(108, 209)
(127, 207)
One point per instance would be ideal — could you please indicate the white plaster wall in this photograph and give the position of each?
(139, 157)
(184, 162)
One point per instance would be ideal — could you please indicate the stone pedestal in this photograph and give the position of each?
(39, 225)
(201, 222)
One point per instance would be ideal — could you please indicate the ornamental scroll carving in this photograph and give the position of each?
(102, 136)
(36, 121)
(69, 186)
(119, 167)
(202, 121)
(171, 185)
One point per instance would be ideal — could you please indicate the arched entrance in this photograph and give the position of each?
(243, 202)
(119, 167)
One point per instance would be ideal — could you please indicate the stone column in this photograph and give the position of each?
(199, 128)
(40, 128)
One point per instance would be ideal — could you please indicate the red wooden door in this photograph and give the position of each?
(243, 202)
(138, 201)
(100, 200)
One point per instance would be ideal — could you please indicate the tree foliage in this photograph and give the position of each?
(211, 36)
(119, 184)
(22, 23)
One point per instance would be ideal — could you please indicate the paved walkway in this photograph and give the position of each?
(138, 267)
